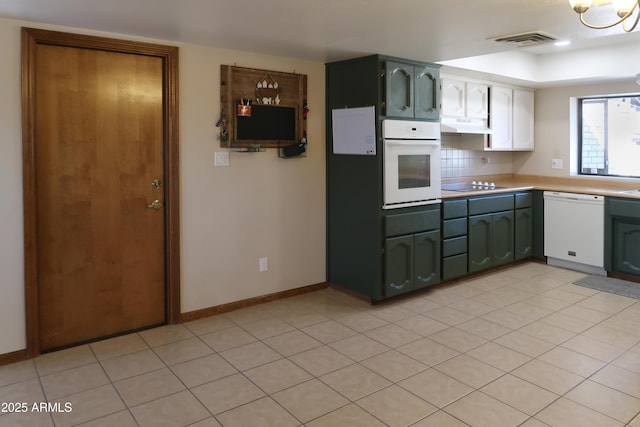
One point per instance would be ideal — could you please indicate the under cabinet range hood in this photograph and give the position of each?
(464, 125)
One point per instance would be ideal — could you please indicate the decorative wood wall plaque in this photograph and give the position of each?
(260, 108)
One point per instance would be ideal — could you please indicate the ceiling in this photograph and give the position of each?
(328, 30)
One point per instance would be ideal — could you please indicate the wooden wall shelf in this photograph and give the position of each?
(274, 100)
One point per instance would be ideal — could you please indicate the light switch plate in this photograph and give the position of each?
(221, 158)
(556, 163)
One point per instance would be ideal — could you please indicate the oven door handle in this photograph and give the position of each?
(421, 143)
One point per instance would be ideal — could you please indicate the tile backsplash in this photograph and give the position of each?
(462, 155)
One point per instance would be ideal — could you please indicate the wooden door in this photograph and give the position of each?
(100, 184)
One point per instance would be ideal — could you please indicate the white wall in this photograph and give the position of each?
(259, 206)
(553, 136)
(12, 325)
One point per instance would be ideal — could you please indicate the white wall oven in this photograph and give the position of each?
(411, 163)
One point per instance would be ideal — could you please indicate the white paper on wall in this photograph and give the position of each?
(354, 131)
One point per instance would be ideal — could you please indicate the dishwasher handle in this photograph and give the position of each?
(577, 197)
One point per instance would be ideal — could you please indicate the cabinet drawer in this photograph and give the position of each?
(454, 266)
(454, 227)
(409, 223)
(454, 208)
(623, 207)
(523, 200)
(482, 205)
(455, 246)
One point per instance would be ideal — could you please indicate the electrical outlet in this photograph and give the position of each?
(556, 163)
(264, 264)
(221, 158)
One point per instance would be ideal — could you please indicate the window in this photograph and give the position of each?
(609, 136)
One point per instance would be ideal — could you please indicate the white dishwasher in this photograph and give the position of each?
(574, 231)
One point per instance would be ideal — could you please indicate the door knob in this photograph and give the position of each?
(156, 204)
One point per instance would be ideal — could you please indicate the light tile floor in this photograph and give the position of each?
(519, 347)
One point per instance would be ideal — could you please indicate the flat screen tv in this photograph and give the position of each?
(267, 123)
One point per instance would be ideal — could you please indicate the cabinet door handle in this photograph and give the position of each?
(400, 286)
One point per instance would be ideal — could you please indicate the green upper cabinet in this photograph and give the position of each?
(427, 94)
(399, 84)
(412, 90)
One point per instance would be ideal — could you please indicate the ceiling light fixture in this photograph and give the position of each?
(623, 8)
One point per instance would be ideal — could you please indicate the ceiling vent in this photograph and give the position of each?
(532, 38)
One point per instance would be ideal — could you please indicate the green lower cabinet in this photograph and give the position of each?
(454, 266)
(537, 228)
(426, 262)
(622, 236)
(398, 265)
(454, 238)
(523, 224)
(486, 231)
(626, 246)
(503, 241)
(491, 240)
(480, 242)
(411, 262)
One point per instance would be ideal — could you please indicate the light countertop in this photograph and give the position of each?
(584, 185)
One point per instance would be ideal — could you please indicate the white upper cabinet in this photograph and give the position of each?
(464, 99)
(511, 119)
(501, 118)
(502, 113)
(522, 120)
(477, 100)
(453, 98)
